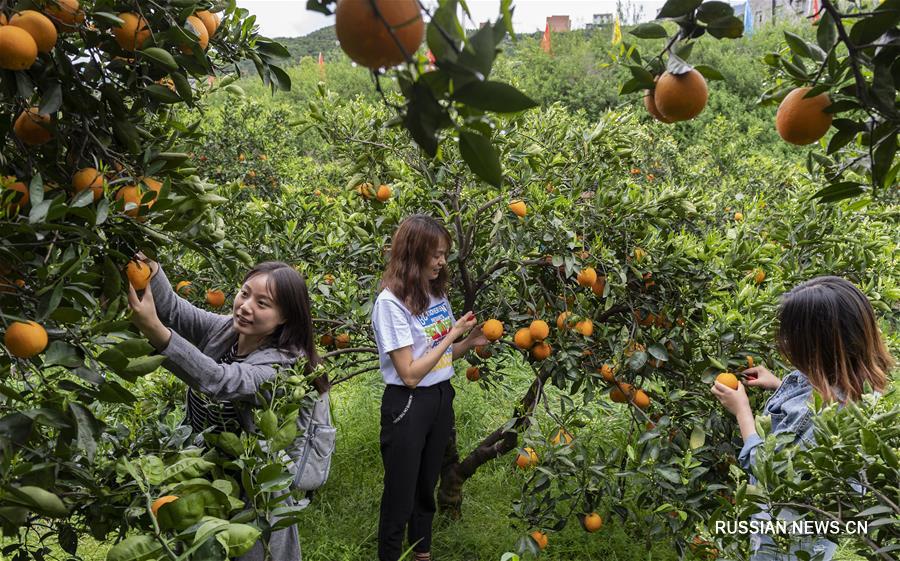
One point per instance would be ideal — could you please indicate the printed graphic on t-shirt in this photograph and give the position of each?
(436, 323)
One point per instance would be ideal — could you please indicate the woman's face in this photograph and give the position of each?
(437, 261)
(255, 310)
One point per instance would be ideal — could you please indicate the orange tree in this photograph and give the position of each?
(98, 114)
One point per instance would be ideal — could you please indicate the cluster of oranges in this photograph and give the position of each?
(339, 341)
(368, 192)
(29, 33)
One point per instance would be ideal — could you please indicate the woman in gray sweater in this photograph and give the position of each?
(225, 358)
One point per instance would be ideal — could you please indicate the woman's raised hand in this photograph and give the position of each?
(760, 377)
(154, 266)
(464, 324)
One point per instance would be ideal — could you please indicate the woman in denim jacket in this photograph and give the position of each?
(827, 331)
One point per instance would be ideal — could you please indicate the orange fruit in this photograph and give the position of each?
(802, 120)
(154, 185)
(89, 178)
(680, 97)
(138, 274)
(528, 459)
(749, 361)
(482, 351)
(587, 277)
(492, 329)
(210, 21)
(540, 538)
(599, 287)
(134, 32)
(18, 49)
(18, 201)
(31, 126)
(326, 340)
(592, 522)
(3, 20)
(607, 373)
(650, 105)
(563, 322)
(342, 341)
(131, 197)
(620, 393)
(758, 276)
(473, 373)
(518, 208)
(539, 330)
(201, 33)
(65, 14)
(738, 216)
(364, 189)
(641, 399)
(523, 339)
(560, 436)
(383, 193)
(541, 351)
(25, 340)
(215, 298)
(183, 287)
(728, 379)
(371, 40)
(158, 503)
(585, 327)
(38, 26)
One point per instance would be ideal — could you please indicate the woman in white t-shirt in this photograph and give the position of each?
(415, 332)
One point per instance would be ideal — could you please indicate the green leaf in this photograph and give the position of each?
(826, 32)
(883, 160)
(134, 548)
(870, 28)
(649, 30)
(729, 27)
(161, 57)
(268, 423)
(238, 539)
(797, 44)
(281, 78)
(144, 365)
(698, 437)
(678, 8)
(709, 72)
(182, 513)
(162, 94)
(494, 96)
(272, 49)
(134, 348)
(88, 429)
(187, 468)
(445, 18)
(711, 11)
(38, 500)
(61, 353)
(284, 437)
(838, 191)
(481, 157)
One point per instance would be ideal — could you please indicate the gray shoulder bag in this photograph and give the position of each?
(312, 451)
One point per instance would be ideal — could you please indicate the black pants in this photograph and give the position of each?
(415, 429)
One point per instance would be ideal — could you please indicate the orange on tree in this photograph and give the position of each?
(326, 340)
(621, 393)
(749, 361)
(153, 185)
(633, 347)
(585, 327)
(18, 49)
(492, 329)
(541, 351)
(210, 21)
(66, 14)
(17, 202)
(215, 298)
(383, 193)
(758, 277)
(587, 277)
(473, 373)
(518, 208)
(641, 399)
(540, 538)
(680, 97)
(563, 322)
(342, 341)
(371, 39)
(200, 31)
(38, 26)
(523, 339)
(31, 125)
(527, 459)
(25, 340)
(158, 503)
(482, 351)
(183, 287)
(728, 379)
(364, 189)
(801, 120)
(133, 32)
(592, 522)
(650, 105)
(138, 274)
(539, 330)
(607, 373)
(738, 216)
(89, 178)
(562, 436)
(130, 195)
(599, 287)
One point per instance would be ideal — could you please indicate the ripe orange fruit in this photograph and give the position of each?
(680, 97)
(523, 339)
(18, 49)
(473, 373)
(482, 351)
(728, 379)
(607, 373)
(18, 201)
(210, 21)
(25, 340)
(738, 216)
(758, 276)
(641, 399)
(620, 393)
(540, 538)
(89, 178)
(650, 105)
(539, 330)
(131, 197)
(133, 33)
(326, 340)
(492, 329)
(38, 26)
(383, 193)
(367, 38)
(3, 20)
(592, 522)
(65, 14)
(183, 287)
(528, 459)
(599, 287)
(31, 126)
(138, 274)
(560, 436)
(585, 327)
(541, 351)
(200, 31)
(342, 341)
(158, 503)
(153, 185)
(563, 322)
(215, 298)
(749, 361)
(587, 277)
(803, 121)
(364, 189)
(518, 208)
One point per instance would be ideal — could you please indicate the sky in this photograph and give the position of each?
(290, 18)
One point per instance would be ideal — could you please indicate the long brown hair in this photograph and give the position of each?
(289, 292)
(828, 331)
(412, 247)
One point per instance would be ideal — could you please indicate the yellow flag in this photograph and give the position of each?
(617, 32)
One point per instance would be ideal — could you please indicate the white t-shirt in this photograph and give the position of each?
(396, 327)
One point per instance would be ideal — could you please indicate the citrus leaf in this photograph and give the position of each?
(482, 159)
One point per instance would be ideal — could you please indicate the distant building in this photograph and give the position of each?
(599, 20)
(559, 23)
(768, 11)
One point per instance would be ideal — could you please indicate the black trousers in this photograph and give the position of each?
(415, 430)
